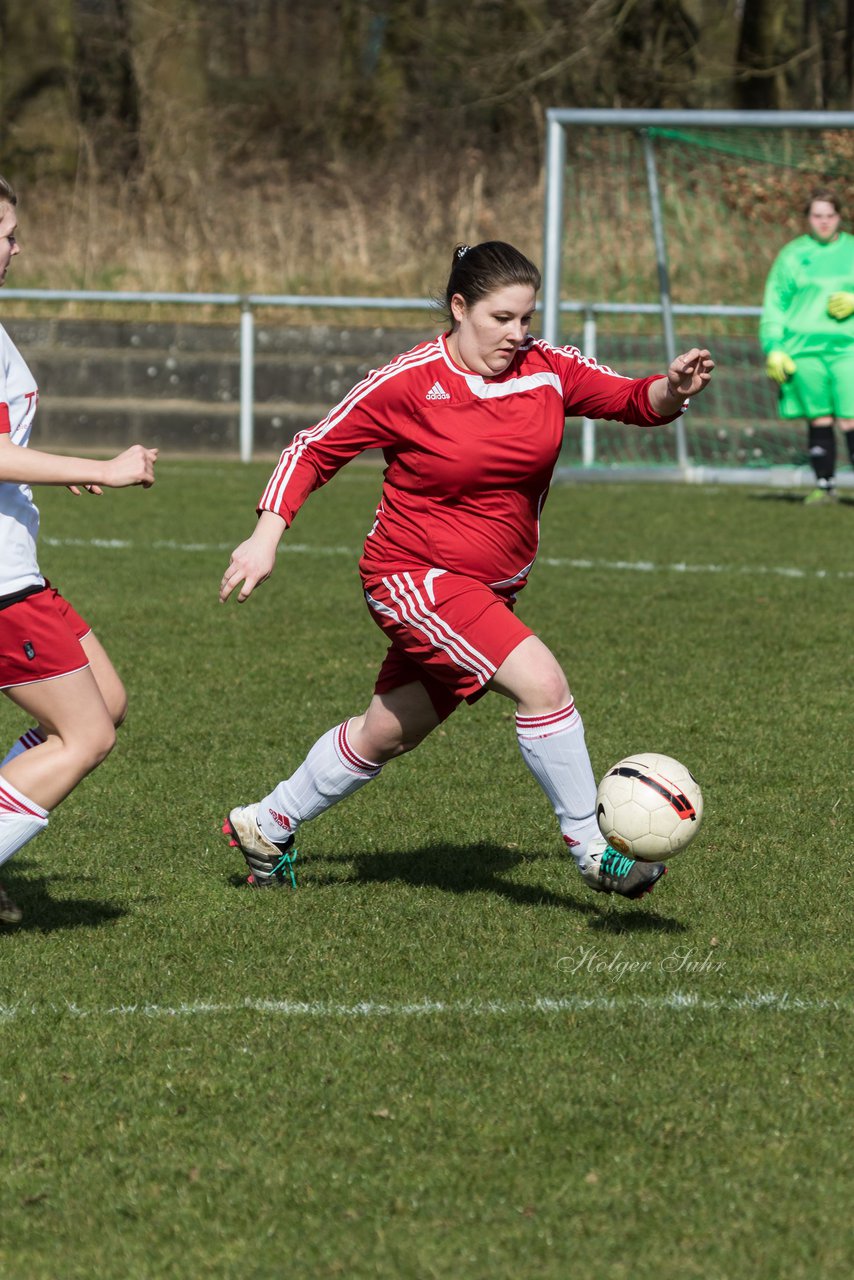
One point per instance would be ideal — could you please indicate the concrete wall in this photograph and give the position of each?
(105, 384)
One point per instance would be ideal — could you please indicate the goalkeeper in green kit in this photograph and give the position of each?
(807, 334)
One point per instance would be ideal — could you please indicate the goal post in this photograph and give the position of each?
(659, 230)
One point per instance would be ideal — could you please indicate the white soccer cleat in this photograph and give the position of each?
(270, 862)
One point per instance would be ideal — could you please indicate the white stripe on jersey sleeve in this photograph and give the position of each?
(277, 484)
(573, 353)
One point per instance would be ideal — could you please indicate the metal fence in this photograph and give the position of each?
(248, 304)
(590, 458)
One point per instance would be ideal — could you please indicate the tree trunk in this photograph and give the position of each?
(758, 57)
(107, 92)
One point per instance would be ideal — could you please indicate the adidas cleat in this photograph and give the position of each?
(271, 864)
(10, 912)
(609, 871)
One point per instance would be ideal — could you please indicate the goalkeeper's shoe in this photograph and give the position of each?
(821, 496)
(270, 863)
(608, 871)
(10, 912)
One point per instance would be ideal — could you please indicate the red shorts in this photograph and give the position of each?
(447, 631)
(40, 639)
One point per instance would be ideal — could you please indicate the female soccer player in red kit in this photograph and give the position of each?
(470, 424)
(51, 665)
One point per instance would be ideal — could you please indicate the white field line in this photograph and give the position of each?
(676, 1001)
(552, 562)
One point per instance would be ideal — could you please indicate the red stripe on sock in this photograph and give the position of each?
(349, 757)
(546, 725)
(11, 804)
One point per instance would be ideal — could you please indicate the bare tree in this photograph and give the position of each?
(106, 88)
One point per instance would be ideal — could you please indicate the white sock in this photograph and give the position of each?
(554, 749)
(331, 771)
(20, 820)
(32, 738)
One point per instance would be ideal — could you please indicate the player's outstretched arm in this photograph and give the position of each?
(688, 375)
(253, 561)
(30, 466)
(134, 466)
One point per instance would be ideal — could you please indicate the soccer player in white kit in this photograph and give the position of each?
(51, 664)
(471, 425)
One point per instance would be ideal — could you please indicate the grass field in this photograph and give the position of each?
(441, 1056)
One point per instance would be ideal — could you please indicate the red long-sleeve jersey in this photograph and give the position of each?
(469, 459)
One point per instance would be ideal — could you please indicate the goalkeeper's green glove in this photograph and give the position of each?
(840, 305)
(779, 366)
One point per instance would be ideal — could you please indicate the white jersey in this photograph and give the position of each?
(19, 515)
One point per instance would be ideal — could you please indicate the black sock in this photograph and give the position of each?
(822, 447)
(849, 440)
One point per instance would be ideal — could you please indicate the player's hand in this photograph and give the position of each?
(134, 466)
(840, 305)
(251, 564)
(253, 561)
(90, 488)
(690, 372)
(779, 366)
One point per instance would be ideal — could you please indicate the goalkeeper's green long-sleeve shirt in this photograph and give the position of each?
(794, 310)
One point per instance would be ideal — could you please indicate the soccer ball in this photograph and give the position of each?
(649, 807)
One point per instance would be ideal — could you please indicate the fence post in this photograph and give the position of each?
(663, 282)
(247, 380)
(588, 425)
(553, 230)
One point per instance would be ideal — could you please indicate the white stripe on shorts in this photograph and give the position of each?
(411, 604)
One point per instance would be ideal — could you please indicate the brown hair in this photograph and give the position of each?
(477, 270)
(7, 192)
(829, 197)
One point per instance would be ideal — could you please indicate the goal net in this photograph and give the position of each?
(687, 221)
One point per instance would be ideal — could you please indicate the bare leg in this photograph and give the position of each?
(106, 677)
(532, 676)
(393, 723)
(110, 686)
(79, 731)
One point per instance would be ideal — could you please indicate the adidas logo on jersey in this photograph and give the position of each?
(437, 392)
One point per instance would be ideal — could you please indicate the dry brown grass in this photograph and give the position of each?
(389, 228)
(345, 232)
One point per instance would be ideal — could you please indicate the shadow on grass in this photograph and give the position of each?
(44, 914)
(479, 868)
(797, 498)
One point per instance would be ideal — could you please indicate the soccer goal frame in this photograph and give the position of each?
(554, 306)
